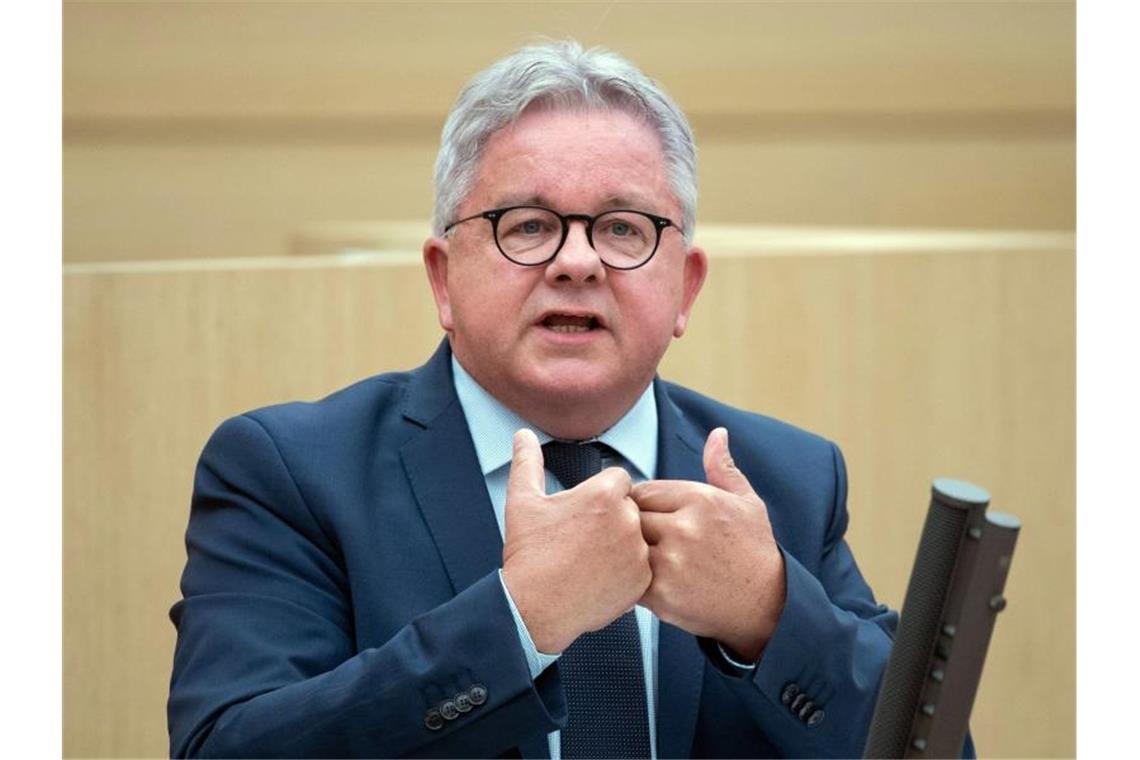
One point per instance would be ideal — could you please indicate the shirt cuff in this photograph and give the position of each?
(732, 660)
(724, 662)
(537, 661)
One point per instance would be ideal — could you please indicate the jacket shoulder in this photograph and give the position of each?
(354, 404)
(331, 432)
(744, 427)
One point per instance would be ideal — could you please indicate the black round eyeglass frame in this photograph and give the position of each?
(660, 223)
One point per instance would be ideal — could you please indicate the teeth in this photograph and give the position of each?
(569, 328)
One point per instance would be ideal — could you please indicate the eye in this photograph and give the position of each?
(523, 223)
(623, 228)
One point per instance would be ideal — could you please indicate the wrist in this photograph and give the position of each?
(744, 650)
(547, 637)
(757, 624)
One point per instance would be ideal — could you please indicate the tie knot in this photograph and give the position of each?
(572, 463)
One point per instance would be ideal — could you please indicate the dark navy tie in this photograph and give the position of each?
(602, 673)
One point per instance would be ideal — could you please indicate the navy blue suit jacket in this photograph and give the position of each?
(341, 581)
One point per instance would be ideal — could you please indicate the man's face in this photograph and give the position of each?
(503, 319)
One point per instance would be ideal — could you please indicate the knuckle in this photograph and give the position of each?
(726, 521)
(631, 516)
(688, 529)
(625, 518)
(709, 496)
(646, 579)
(619, 480)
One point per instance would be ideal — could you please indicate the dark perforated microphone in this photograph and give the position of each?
(948, 615)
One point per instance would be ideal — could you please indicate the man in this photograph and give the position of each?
(393, 571)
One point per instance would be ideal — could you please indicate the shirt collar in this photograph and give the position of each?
(493, 426)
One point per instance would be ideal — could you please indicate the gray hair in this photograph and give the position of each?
(558, 75)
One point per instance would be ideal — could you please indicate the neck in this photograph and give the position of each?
(565, 415)
(571, 419)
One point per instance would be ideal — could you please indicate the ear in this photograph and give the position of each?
(435, 262)
(696, 267)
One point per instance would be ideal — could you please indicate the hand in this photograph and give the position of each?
(717, 571)
(574, 561)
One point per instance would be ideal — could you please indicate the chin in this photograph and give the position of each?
(572, 401)
(570, 389)
(567, 384)
(575, 376)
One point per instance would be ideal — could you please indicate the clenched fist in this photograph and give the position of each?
(717, 571)
(574, 561)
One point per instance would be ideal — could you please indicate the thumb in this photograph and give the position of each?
(527, 476)
(720, 470)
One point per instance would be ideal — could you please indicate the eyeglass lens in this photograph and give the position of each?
(532, 235)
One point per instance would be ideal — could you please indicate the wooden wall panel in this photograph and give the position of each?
(218, 129)
(129, 202)
(313, 60)
(921, 355)
(126, 202)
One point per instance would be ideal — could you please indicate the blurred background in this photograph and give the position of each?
(222, 128)
(887, 192)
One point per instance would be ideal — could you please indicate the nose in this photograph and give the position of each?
(577, 261)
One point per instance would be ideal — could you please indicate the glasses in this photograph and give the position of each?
(533, 235)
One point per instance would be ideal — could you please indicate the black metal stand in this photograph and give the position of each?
(948, 615)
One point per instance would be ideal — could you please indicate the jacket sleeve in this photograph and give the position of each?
(814, 689)
(266, 662)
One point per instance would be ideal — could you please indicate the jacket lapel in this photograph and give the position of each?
(680, 663)
(444, 473)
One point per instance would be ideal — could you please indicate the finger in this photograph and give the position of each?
(648, 600)
(720, 470)
(653, 598)
(527, 475)
(649, 597)
(664, 495)
(654, 526)
(615, 480)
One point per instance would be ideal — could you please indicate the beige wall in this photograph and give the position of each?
(217, 129)
(922, 355)
(201, 133)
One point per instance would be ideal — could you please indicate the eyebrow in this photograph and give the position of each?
(614, 201)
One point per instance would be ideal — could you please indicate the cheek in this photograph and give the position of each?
(489, 298)
(651, 312)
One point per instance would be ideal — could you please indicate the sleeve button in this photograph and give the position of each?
(449, 710)
(798, 702)
(478, 694)
(815, 718)
(433, 720)
(463, 702)
(790, 692)
(805, 710)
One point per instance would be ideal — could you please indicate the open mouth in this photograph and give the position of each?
(570, 323)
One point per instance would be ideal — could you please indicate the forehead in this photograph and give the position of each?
(574, 160)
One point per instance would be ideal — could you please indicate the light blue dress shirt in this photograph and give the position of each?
(634, 437)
